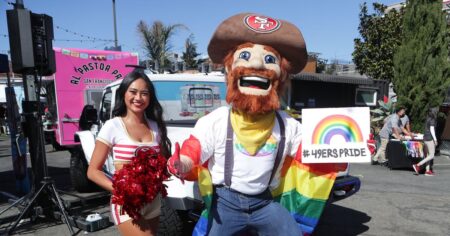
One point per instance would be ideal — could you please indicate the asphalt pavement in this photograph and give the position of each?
(390, 202)
(82, 204)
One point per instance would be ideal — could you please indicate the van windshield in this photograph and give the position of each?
(185, 102)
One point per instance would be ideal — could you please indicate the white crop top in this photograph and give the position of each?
(115, 135)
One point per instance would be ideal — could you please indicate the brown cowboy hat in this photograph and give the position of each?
(285, 37)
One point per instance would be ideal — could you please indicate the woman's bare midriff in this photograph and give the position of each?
(118, 165)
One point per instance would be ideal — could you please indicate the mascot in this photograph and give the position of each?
(247, 157)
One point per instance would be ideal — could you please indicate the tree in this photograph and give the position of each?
(332, 68)
(190, 52)
(380, 36)
(156, 40)
(321, 63)
(422, 75)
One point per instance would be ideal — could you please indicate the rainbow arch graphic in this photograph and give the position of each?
(340, 125)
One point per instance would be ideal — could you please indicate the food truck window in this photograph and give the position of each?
(105, 112)
(93, 97)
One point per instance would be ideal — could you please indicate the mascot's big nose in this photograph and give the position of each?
(256, 63)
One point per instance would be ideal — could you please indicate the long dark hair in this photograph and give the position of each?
(154, 110)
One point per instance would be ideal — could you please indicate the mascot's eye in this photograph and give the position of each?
(244, 55)
(269, 59)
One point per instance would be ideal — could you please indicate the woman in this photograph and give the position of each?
(429, 137)
(137, 122)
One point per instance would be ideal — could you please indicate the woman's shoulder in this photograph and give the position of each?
(113, 122)
(110, 129)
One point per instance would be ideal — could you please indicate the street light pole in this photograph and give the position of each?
(115, 26)
(19, 4)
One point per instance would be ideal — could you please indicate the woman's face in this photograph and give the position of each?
(137, 96)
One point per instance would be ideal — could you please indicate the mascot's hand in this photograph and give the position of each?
(174, 164)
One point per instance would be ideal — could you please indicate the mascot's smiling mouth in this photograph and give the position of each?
(254, 82)
(254, 85)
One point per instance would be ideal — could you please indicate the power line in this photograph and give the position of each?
(74, 40)
(101, 45)
(8, 2)
(83, 35)
(89, 38)
(83, 40)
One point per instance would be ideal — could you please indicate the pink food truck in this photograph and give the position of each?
(81, 75)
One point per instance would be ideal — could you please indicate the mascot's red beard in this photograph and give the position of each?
(252, 104)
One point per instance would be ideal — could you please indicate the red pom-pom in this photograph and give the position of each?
(140, 181)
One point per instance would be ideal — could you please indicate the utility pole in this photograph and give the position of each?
(115, 26)
(19, 4)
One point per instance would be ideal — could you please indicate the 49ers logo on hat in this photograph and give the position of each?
(261, 24)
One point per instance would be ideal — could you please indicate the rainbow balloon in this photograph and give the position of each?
(340, 125)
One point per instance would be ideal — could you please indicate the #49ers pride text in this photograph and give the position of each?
(334, 153)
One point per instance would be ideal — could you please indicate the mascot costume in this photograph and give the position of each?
(247, 157)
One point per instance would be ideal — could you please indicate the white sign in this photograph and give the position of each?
(335, 135)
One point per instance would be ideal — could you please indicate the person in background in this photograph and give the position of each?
(2, 119)
(137, 123)
(429, 137)
(390, 129)
(405, 126)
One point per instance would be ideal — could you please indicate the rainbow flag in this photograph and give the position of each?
(304, 190)
(414, 148)
(206, 191)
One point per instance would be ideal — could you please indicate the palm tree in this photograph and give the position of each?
(190, 52)
(156, 40)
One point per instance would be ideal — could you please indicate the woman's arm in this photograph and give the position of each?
(408, 128)
(433, 134)
(98, 159)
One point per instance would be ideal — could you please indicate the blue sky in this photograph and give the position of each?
(328, 26)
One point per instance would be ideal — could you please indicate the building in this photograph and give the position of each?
(398, 6)
(345, 68)
(312, 90)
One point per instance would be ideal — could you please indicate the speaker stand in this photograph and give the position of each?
(48, 186)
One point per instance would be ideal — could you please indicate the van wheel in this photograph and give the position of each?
(170, 223)
(78, 172)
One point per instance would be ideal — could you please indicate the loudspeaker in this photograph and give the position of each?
(4, 65)
(30, 40)
(42, 34)
(20, 40)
